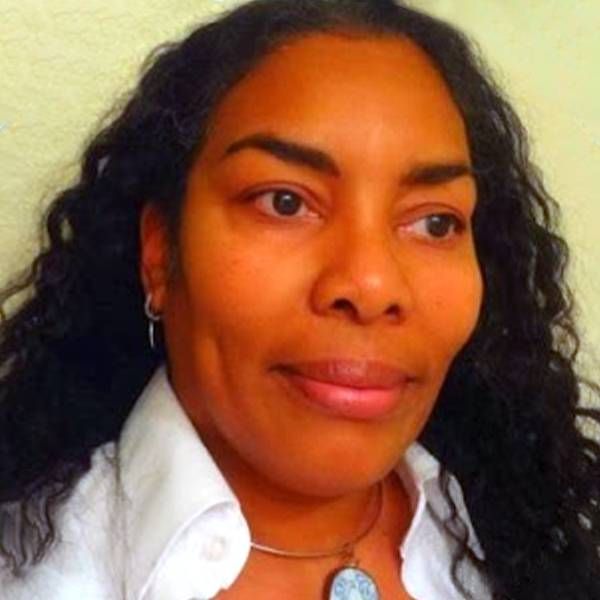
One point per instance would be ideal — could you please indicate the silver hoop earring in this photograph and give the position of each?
(152, 318)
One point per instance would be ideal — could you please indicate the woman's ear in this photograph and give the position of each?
(154, 255)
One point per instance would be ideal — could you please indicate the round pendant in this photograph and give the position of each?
(351, 583)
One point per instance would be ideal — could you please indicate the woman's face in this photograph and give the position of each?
(289, 256)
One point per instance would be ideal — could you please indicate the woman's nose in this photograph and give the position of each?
(363, 278)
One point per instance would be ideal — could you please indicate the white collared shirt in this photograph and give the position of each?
(154, 519)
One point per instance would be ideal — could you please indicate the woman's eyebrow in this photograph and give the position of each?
(290, 151)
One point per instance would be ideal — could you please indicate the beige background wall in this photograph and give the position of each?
(63, 62)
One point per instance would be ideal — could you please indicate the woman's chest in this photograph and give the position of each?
(309, 582)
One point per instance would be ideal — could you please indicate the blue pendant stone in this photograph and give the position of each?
(351, 583)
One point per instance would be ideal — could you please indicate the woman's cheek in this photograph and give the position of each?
(454, 299)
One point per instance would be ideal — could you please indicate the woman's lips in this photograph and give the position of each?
(362, 403)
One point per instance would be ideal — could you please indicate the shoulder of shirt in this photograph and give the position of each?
(76, 564)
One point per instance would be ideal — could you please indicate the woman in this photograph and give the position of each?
(300, 331)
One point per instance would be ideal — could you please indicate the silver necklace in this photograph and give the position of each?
(348, 582)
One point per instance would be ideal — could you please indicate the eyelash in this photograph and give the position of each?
(458, 225)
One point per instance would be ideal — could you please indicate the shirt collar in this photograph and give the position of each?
(168, 479)
(427, 549)
(180, 505)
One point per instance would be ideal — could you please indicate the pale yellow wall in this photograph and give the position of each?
(62, 63)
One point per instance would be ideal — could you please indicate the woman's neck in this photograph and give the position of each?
(297, 522)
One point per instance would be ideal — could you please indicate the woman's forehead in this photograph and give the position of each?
(368, 94)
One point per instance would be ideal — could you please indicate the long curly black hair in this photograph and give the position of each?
(74, 354)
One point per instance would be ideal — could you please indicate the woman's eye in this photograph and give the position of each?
(438, 226)
(279, 202)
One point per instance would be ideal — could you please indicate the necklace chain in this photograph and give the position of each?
(347, 548)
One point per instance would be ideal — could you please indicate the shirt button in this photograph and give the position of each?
(214, 549)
